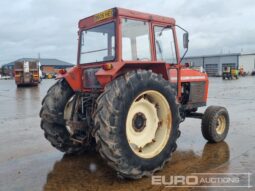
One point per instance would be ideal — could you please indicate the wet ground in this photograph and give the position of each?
(28, 162)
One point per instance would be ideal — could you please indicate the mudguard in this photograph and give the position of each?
(73, 78)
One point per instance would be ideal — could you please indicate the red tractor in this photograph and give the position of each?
(128, 94)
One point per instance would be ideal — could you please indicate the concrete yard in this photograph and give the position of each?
(29, 162)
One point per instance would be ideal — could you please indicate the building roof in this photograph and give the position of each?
(247, 54)
(43, 61)
(213, 55)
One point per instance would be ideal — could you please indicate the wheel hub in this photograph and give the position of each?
(139, 122)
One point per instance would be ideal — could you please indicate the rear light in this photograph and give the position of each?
(107, 66)
(17, 74)
(62, 71)
(35, 74)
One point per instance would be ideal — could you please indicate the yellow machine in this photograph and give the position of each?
(234, 73)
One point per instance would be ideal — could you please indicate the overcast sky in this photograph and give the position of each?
(49, 27)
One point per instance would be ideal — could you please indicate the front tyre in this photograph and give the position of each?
(137, 123)
(215, 124)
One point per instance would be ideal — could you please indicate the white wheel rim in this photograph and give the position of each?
(148, 124)
(68, 113)
(221, 125)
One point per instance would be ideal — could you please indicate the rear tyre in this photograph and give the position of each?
(137, 123)
(215, 124)
(52, 119)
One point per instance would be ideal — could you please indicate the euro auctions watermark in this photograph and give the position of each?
(241, 180)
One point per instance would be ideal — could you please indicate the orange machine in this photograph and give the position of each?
(128, 93)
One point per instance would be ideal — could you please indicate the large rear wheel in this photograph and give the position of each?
(137, 123)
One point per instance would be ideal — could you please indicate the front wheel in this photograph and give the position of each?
(137, 123)
(215, 124)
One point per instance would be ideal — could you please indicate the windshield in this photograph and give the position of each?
(98, 44)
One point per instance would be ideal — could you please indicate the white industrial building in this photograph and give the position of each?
(247, 61)
(213, 64)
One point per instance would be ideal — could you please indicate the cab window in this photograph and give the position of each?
(98, 44)
(135, 40)
(164, 42)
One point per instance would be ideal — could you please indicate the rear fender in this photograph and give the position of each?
(73, 78)
(106, 76)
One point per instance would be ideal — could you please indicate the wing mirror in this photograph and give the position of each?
(186, 40)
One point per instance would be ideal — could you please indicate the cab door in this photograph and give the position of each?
(165, 50)
(164, 44)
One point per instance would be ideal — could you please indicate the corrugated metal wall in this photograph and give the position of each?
(213, 64)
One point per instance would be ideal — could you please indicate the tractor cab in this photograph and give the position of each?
(121, 35)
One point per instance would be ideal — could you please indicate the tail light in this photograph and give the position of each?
(35, 74)
(107, 66)
(17, 74)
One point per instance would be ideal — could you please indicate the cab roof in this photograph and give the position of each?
(113, 13)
